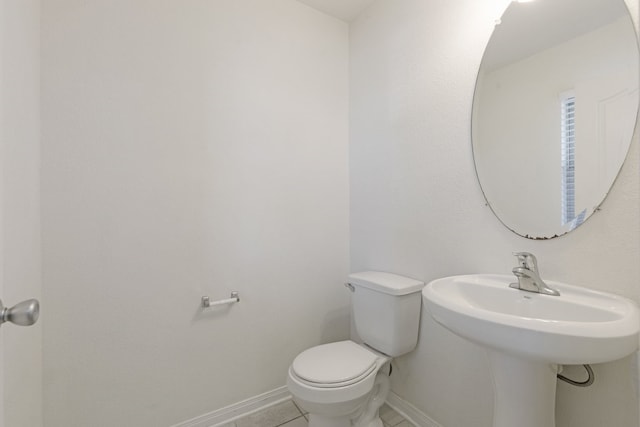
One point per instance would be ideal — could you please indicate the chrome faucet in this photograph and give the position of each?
(528, 277)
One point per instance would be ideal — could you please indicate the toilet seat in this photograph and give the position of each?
(335, 373)
(337, 364)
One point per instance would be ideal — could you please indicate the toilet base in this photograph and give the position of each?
(367, 416)
(320, 421)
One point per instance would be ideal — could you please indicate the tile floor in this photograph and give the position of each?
(287, 414)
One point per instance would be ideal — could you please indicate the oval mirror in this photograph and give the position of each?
(554, 111)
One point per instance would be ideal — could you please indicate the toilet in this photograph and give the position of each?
(344, 384)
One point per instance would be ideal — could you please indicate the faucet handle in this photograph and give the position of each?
(527, 260)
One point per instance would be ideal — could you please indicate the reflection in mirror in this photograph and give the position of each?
(554, 111)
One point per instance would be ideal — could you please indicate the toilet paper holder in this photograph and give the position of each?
(206, 301)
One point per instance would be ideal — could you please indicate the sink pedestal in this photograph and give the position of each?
(524, 391)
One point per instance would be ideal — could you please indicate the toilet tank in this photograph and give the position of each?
(386, 310)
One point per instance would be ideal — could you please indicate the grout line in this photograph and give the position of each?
(293, 419)
(299, 408)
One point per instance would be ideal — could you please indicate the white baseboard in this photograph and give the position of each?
(410, 412)
(238, 410)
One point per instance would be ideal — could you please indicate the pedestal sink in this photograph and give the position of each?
(527, 335)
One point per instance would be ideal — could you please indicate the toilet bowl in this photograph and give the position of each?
(344, 384)
(341, 384)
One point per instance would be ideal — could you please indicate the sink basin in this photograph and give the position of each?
(527, 335)
(580, 326)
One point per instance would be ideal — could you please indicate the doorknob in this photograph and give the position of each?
(24, 314)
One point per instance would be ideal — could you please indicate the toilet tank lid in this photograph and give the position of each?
(387, 283)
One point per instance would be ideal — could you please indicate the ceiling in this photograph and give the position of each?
(345, 10)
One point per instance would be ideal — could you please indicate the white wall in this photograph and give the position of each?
(189, 148)
(20, 209)
(416, 207)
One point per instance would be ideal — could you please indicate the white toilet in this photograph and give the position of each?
(343, 384)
